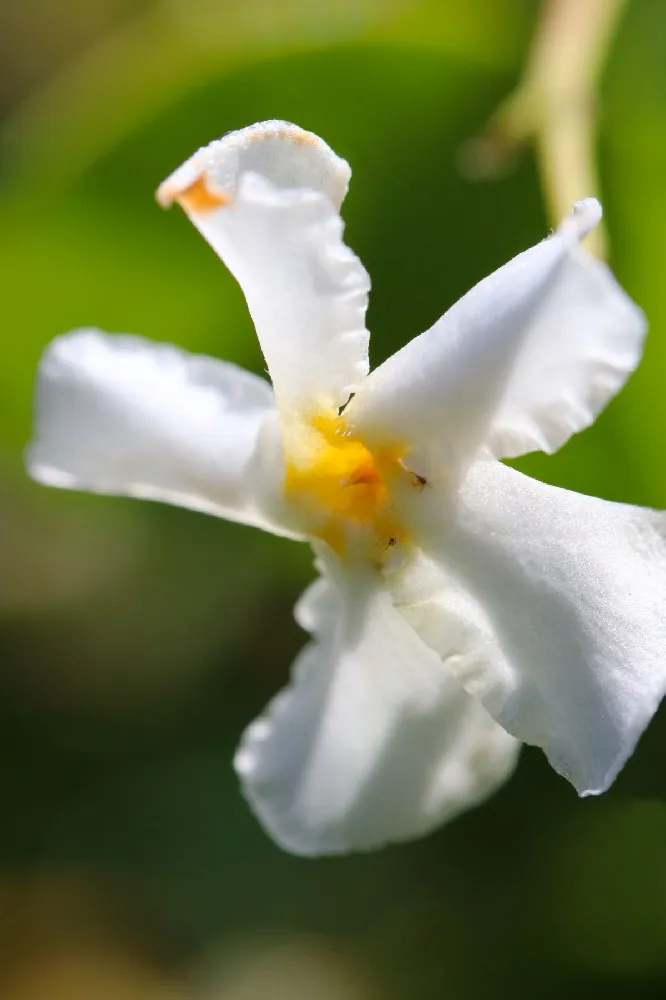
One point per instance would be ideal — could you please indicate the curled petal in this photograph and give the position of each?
(374, 740)
(523, 361)
(267, 200)
(286, 155)
(122, 415)
(548, 606)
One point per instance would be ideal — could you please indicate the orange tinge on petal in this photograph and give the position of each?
(200, 197)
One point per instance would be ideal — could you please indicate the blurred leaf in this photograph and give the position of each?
(608, 888)
(634, 162)
(174, 46)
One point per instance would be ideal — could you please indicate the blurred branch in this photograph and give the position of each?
(555, 106)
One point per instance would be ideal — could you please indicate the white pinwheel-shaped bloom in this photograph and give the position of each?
(461, 607)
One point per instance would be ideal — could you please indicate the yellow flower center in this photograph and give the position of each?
(343, 485)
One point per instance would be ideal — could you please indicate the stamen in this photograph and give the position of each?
(343, 485)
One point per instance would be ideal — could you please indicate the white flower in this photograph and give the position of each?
(461, 607)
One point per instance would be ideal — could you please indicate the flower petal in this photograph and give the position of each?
(267, 200)
(523, 361)
(374, 741)
(118, 414)
(559, 602)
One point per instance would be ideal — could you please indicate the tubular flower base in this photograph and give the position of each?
(461, 607)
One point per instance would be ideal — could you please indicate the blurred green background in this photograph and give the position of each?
(137, 641)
